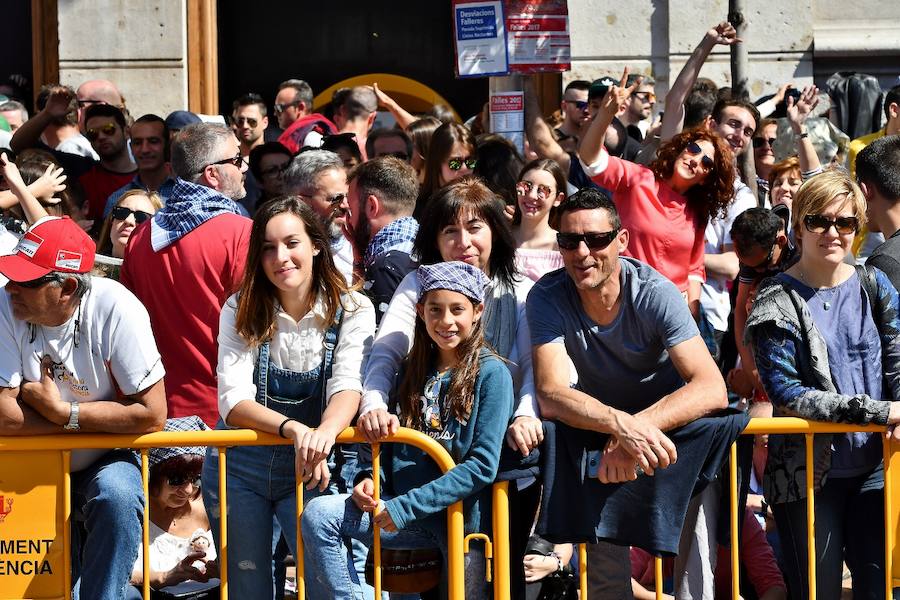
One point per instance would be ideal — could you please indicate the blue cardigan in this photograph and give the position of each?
(419, 489)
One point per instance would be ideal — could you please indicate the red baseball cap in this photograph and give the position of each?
(51, 244)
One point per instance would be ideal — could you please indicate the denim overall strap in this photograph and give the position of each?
(330, 343)
(261, 374)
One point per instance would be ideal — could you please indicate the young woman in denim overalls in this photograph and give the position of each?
(292, 344)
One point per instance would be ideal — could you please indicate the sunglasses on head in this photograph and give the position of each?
(456, 163)
(579, 104)
(759, 142)
(821, 224)
(120, 213)
(248, 120)
(695, 149)
(93, 133)
(39, 282)
(180, 480)
(594, 241)
(523, 188)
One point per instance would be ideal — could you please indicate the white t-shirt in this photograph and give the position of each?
(8, 243)
(115, 349)
(714, 292)
(167, 550)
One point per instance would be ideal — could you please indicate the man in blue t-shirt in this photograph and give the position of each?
(642, 366)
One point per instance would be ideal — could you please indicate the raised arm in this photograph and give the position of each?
(59, 104)
(51, 181)
(797, 113)
(540, 136)
(400, 114)
(616, 96)
(673, 120)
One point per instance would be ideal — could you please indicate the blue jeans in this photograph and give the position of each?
(260, 485)
(107, 508)
(329, 519)
(849, 527)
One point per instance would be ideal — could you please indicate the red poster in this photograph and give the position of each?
(538, 36)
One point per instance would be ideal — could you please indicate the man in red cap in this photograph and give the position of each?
(77, 353)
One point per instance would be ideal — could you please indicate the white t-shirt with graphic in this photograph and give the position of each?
(113, 353)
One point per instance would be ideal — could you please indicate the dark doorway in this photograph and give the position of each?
(264, 43)
(15, 48)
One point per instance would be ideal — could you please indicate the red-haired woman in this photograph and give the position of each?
(664, 207)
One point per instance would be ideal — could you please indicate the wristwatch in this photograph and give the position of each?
(72, 425)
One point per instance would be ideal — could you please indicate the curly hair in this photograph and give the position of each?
(711, 198)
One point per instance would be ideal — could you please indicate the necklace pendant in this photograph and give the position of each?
(826, 305)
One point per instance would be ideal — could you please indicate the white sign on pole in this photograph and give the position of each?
(479, 32)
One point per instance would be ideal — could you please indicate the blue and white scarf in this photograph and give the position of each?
(398, 235)
(190, 205)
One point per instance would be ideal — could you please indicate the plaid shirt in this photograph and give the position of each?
(398, 235)
(190, 206)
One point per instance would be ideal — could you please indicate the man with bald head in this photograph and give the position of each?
(98, 91)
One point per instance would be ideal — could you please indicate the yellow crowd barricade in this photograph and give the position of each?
(55, 478)
(38, 484)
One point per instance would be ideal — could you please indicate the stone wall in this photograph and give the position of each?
(140, 46)
(787, 41)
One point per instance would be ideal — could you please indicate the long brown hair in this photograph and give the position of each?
(255, 319)
(439, 150)
(712, 197)
(460, 394)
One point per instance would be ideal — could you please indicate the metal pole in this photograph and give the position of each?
(739, 82)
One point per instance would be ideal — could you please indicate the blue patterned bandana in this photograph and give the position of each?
(190, 205)
(398, 235)
(454, 275)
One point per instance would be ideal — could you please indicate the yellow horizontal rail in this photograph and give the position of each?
(241, 437)
(502, 568)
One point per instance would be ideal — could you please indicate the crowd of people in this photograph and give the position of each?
(594, 318)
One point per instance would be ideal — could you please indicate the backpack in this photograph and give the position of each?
(858, 101)
(294, 136)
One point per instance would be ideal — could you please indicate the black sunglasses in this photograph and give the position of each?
(456, 163)
(695, 149)
(250, 121)
(120, 213)
(280, 107)
(275, 169)
(759, 142)
(39, 282)
(594, 241)
(236, 160)
(180, 480)
(763, 265)
(821, 224)
(579, 104)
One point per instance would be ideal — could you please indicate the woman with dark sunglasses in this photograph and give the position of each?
(664, 207)
(177, 521)
(451, 155)
(826, 339)
(132, 209)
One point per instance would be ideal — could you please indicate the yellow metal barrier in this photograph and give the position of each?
(221, 440)
(499, 549)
